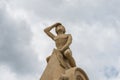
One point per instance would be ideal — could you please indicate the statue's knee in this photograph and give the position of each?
(67, 54)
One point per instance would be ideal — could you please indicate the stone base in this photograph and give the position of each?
(74, 74)
(55, 70)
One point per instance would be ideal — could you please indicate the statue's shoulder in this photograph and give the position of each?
(69, 35)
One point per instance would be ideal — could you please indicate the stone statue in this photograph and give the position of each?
(62, 41)
(61, 65)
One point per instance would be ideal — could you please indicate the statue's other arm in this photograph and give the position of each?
(69, 41)
(47, 30)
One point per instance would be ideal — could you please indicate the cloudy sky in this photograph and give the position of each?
(94, 25)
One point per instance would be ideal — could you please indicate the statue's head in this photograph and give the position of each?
(60, 29)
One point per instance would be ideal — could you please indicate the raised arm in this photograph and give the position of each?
(69, 41)
(48, 29)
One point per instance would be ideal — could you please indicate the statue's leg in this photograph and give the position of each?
(68, 55)
(61, 59)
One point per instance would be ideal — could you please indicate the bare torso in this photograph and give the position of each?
(60, 40)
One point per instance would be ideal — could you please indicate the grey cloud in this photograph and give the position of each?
(88, 11)
(111, 72)
(15, 49)
(95, 47)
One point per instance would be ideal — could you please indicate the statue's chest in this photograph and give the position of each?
(61, 37)
(61, 40)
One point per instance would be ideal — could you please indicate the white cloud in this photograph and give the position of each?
(15, 44)
(6, 74)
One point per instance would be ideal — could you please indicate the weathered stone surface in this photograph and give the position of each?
(53, 69)
(60, 64)
(76, 73)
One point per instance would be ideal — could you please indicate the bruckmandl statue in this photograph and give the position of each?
(61, 65)
(62, 41)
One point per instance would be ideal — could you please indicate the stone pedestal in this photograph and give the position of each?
(55, 69)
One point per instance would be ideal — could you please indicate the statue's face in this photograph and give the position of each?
(60, 29)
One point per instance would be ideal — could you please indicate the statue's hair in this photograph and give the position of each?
(62, 26)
